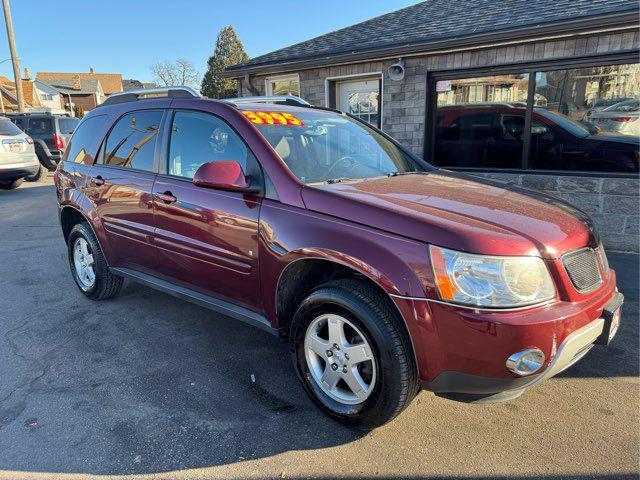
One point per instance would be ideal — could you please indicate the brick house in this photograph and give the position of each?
(474, 86)
(86, 90)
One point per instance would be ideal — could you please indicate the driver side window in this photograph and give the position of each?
(198, 138)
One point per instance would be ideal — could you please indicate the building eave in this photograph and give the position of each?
(619, 20)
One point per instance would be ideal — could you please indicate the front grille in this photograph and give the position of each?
(582, 268)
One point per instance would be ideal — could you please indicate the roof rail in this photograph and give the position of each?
(277, 99)
(156, 92)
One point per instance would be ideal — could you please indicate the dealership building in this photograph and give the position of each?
(541, 93)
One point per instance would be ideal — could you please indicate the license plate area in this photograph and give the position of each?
(611, 315)
(15, 147)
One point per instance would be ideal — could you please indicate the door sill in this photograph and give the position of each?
(212, 303)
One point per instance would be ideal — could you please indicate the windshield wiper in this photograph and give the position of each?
(397, 174)
(337, 180)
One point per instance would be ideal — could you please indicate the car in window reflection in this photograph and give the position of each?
(491, 135)
(622, 117)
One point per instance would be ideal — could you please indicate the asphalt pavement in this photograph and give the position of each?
(149, 386)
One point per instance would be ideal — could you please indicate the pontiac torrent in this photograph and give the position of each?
(385, 274)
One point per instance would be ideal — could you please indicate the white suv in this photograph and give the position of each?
(17, 155)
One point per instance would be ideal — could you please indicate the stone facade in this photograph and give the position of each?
(612, 202)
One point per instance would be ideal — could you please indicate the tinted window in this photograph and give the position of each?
(21, 122)
(198, 138)
(40, 126)
(131, 142)
(8, 128)
(67, 125)
(84, 136)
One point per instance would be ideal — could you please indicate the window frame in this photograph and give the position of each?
(165, 145)
(99, 161)
(331, 90)
(268, 87)
(530, 68)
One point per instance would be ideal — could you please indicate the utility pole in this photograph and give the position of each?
(14, 55)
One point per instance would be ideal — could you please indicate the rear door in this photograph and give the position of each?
(207, 239)
(122, 183)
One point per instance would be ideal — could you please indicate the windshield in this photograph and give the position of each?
(565, 122)
(320, 146)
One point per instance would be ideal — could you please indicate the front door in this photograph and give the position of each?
(360, 98)
(121, 186)
(207, 239)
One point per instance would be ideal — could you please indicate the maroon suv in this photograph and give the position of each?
(385, 274)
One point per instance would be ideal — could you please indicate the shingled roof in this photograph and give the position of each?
(110, 82)
(437, 20)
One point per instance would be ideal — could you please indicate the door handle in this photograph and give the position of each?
(166, 197)
(98, 181)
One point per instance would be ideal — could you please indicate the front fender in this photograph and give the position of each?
(289, 234)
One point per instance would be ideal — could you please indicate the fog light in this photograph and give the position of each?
(525, 362)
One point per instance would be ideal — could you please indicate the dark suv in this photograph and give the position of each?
(384, 273)
(50, 134)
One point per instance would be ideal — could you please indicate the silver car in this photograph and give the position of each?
(622, 117)
(17, 155)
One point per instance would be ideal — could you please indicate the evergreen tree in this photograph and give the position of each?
(228, 51)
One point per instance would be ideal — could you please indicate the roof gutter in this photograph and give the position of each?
(581, 26)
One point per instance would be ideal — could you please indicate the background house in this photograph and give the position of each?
(463, 64)
(38, 96)
(86, 89)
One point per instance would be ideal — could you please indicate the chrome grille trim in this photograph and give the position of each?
(583, 268)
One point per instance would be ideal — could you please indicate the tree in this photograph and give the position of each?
(229, 51)
(78, 112)
(180, 72)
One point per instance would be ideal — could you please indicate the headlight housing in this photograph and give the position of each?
(490, 281)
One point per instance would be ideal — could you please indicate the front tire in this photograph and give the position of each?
(353, 354)
(88, 266)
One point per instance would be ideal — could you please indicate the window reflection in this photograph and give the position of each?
(584, 119)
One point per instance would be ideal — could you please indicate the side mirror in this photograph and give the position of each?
(223, 176)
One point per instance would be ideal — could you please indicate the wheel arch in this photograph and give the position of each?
(302, 275)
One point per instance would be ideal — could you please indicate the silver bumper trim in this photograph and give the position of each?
(574, 347)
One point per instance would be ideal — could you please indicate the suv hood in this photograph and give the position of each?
(458, 211)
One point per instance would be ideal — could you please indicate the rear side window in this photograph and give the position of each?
(131, 142)
(20, 122)
(67, 125)
(84, 137)
(8, 128)
(40, 126)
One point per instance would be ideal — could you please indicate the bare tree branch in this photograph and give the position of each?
(180, 72)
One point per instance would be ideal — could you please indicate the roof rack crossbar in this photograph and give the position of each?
(178, 91)
(277, 99)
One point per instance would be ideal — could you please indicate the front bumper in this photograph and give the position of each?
(466, 387)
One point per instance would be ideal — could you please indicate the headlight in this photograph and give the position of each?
(490, 281)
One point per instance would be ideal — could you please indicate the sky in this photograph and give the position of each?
(127, 37)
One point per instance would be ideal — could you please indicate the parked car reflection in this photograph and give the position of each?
(491, 135)
(622, 117)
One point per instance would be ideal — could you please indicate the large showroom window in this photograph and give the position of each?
(583, 119)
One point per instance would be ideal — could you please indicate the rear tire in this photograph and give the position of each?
(88, 266)
(11, 184)
(41, 174)
(390, 381)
